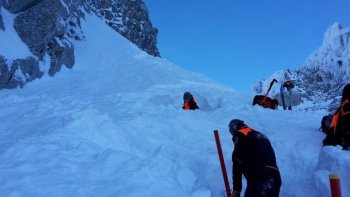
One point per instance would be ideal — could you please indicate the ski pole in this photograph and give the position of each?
(290, 100)
(334, 182)
(222, 162)
(282, 97)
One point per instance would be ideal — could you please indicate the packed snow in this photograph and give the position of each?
(113, 126)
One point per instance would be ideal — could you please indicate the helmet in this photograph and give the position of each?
(187, 96)
(288, 84)
(234, 125)
(346, 92)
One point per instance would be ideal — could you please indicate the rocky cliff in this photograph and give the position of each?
(319, 81)
(129, 18)
(48, 27)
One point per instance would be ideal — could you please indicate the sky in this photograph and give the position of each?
(238, 42)
(80, 134)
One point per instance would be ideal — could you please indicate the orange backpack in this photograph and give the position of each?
(337, 116)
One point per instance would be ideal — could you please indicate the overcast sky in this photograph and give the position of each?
(238, 42)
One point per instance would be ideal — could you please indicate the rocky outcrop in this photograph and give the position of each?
(2, 27)
(18, 72)
(48, 27)
(321, 78)
(45, 33)
(16, 6)
(61, 53)
(130, 19)
(39, 25)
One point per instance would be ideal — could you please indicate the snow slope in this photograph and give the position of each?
(11, 45)
(113, 126)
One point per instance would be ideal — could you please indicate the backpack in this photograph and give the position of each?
(326, 123)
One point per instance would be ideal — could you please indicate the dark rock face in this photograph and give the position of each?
(48, 27)
(19, 72)
(39, 25)
(16, 6)
(29, 68)
(2, 27)
(60, 55)
(44, 32)
(5, 75)
(129, 18)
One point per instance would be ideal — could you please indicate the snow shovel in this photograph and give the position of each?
(267, 93)
(266, 101)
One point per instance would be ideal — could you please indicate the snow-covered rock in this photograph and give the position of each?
(321, 78)
(49, 34)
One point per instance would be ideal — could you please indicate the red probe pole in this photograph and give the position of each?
(222, 162)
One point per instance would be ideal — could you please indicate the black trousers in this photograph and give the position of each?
(264, 188)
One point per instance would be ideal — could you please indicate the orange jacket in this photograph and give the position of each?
(190, 105)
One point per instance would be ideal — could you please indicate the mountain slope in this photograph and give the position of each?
(321, 78)
(89, 132)
(48, 36)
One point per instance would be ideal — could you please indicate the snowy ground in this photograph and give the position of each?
(113, 126)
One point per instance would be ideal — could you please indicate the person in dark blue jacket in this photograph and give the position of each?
(253, 157)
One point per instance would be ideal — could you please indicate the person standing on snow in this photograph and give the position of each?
(339, 132)
(189, 102)
(289, 85)
(254, 157)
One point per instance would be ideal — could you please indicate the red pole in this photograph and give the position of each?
(334, 182)
(222, 162)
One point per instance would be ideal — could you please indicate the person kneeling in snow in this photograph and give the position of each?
(189, 102)
(339, 131)
(254, 157)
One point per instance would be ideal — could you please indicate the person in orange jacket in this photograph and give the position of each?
(253, 157)
(189, 102)
(339, 132)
